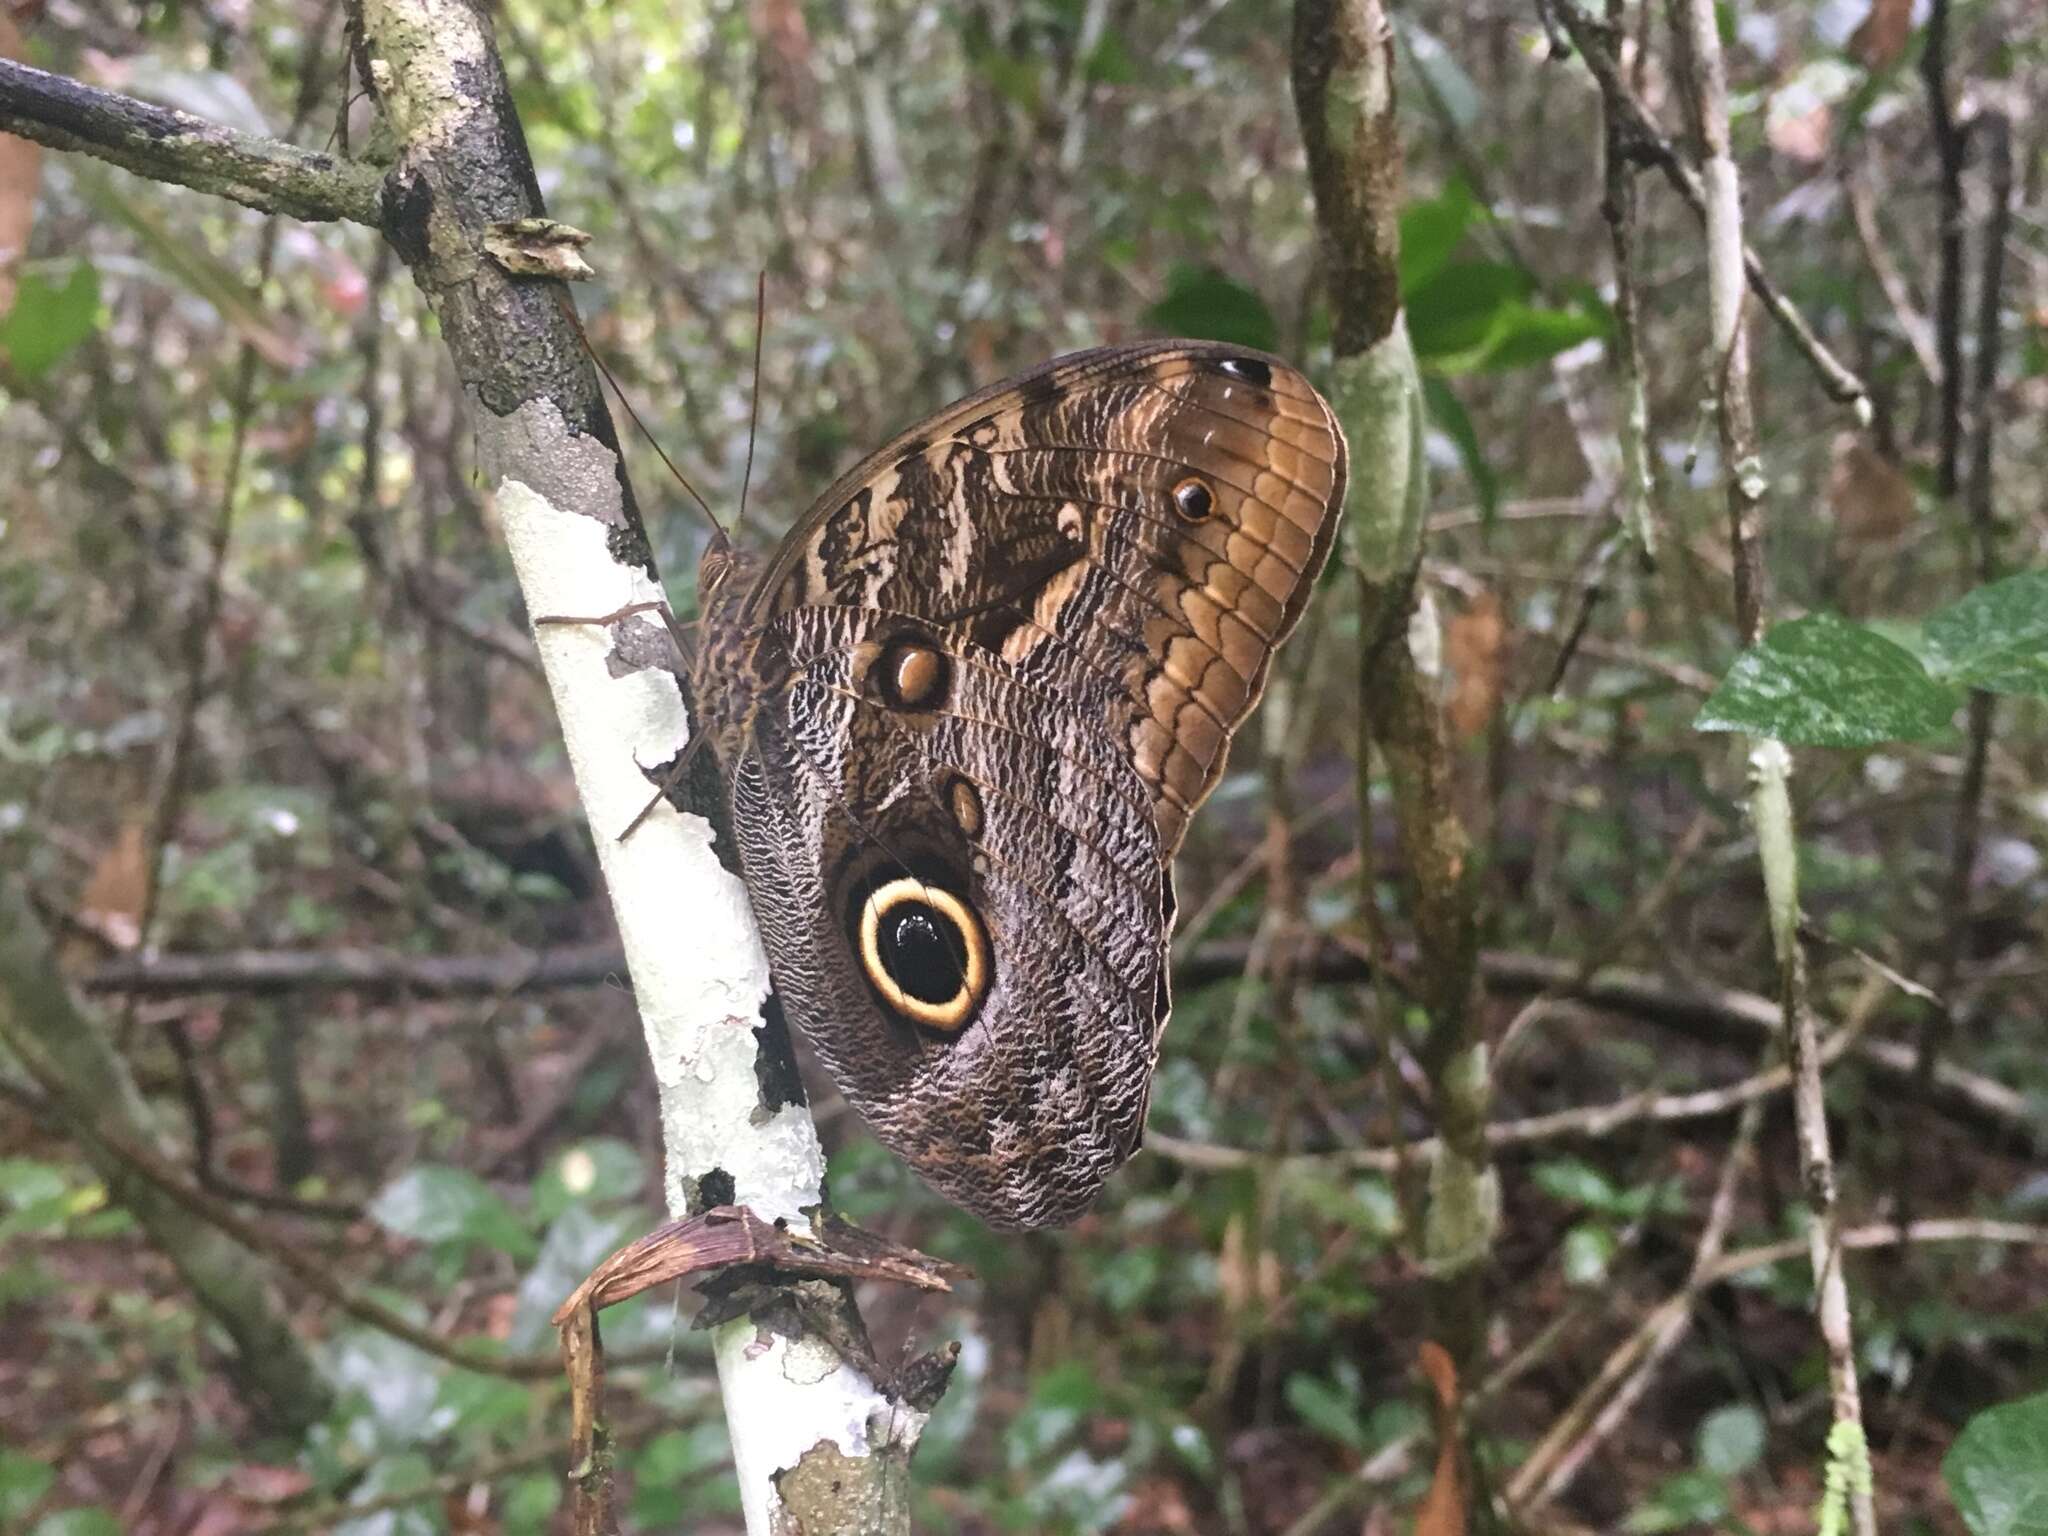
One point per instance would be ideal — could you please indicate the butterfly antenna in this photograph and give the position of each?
(754, 408)
(681, 479)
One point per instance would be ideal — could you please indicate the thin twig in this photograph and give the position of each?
(1701, 65)
(1840, 382)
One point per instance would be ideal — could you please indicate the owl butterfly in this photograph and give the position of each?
(964, 714)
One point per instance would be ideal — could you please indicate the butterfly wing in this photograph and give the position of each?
(990, 675)
(1164, 507)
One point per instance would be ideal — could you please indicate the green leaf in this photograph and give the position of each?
(1205, 302)
(1824, 682)
(1588, 1249)
(1128, 1278)
(1730, 1440)
(1430, 231)
(77, 1522)
(1576, 1183)
(25, 1182)
(433, 1204)
(1689, 1500)
(1997, 1471)
(23, 1480)
(1523, 334)
(48, 321)
(1448, 412)
(1325, 1409)
(1060, 1401)
(1110, 63)
(1453, 313)
(1996, 637)
(576, 1240)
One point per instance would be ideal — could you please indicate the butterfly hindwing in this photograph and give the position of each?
(967, 711)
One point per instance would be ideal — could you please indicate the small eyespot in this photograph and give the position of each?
(1193, 500)
(1250, 369)
(912, 673)
(965, 802)
(924, 952)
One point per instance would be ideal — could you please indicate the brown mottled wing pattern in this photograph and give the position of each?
(1045, 506)
(966, 712)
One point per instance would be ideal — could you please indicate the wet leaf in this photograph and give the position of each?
(1997, 1471)
(1824, 682)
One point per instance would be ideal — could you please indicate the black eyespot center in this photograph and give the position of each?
(1193, 499)
(1250, 369)
(922, 949)
(925, 952)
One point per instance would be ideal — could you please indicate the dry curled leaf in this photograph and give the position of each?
(1442, 1511)
(1868, 496)
(1881, 36)
(1474, 642)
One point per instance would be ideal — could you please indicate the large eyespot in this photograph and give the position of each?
(925, 952)
(1250, 369)
(1193, 499)
(912, 673)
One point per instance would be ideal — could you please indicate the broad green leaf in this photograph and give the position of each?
(49, 319)
(1127, 1278)
(1824, 682)
(389, 1391)
(1686, 1502)
(1996, 637)
(576, 1240)
(1060, 1400)
(77, 1522)
(1326, 1410)
(434, 1204)
(1453, 313)
(25, 1182)
(1997, 1471)
(1203, 301)
(1431, 230)
(1730, 1440)
(1110, 63)
(23, 1480)
(1523, 334)
(1576, 1183)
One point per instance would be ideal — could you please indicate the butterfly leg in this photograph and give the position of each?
(678, 631)
(669, 781)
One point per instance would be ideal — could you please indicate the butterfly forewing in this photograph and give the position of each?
(968, 709)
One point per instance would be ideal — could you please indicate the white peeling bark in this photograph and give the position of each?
(700, 976)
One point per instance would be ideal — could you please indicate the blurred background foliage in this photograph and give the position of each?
(265, 686)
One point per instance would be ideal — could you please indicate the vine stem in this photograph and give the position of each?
(1704, 81)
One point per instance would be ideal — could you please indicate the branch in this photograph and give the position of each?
(1840, 382)
(165, 144)
(805, 1403)
(1585, 1122)
(1718, 1016)
(71, 1058)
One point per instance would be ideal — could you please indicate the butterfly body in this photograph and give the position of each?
(964, 714)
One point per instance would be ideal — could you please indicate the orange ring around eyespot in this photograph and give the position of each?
(957, 1009)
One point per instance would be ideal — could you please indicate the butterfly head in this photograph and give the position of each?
(715, 571)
